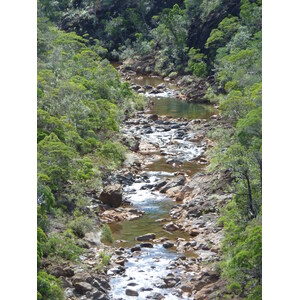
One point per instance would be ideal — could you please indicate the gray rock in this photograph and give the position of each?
(146, 245)
(68, 272)
(132, 284)
(98, 285)
(82, 287)
(105, 285)
(161, 86)
(81, 277)
(168, 244)
(178, 181)
(132, 293)
(57, 272)
(170, 227)
(146, 289)
(155, 296)
(135, 248)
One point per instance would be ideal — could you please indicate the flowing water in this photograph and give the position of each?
(145, 270)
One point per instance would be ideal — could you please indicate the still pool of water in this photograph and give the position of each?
(188, 167)
(173, 107)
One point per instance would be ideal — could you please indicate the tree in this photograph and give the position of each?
(196, 63)
(55, 161)
(171, 34)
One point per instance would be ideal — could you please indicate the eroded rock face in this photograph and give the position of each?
(112, 195)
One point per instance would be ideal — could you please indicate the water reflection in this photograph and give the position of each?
(173, 107)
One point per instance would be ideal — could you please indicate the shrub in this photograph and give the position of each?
(64, 247)
(139, 102)
(106, 234)
(104, 262)
(196, 63)
(48, 287)
(105, 258)
(81, 225)
(172, 75)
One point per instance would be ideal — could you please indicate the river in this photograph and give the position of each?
(168, 149)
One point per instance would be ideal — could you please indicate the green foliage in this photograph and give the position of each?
(243, 263)
(251, 15)
(55, 160)
(106, 234)
(104, 261)
(81, 225)
(200, 8)
(220, 36)
(61, 246)
(113, 152)
(196, 63)
(238, 66)
(45, 197)
(49, 287)
(41, 239)
(171, 34)
(105, 258)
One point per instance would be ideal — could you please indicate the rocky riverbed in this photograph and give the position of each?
(178, 260)
(163, 208)
(172, 249)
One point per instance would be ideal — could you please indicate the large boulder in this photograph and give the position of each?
(146, 237)
(177, 181)
(146, 245)
(168, 244)
(112, 195)
(82, 287)
(170, 227)
(82, 277)
(132, 293)
(153, 117)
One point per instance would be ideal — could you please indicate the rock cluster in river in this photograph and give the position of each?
(199, 199)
